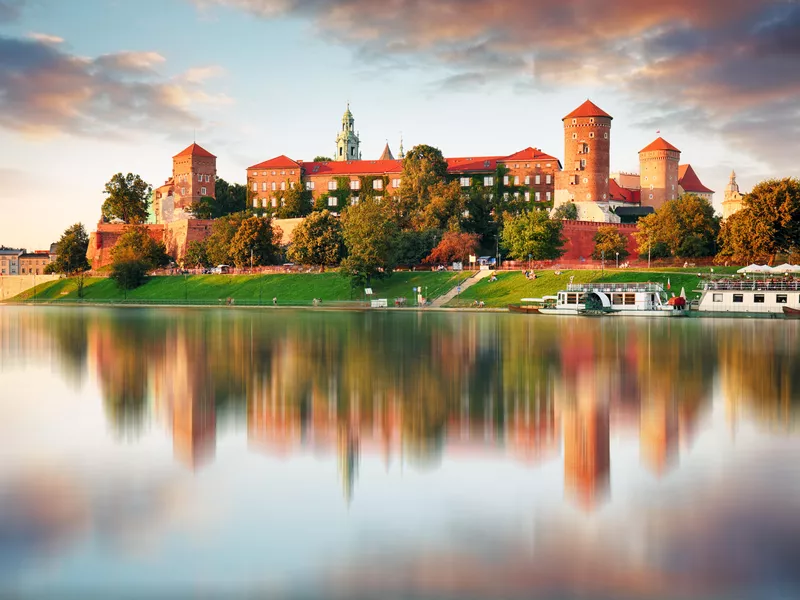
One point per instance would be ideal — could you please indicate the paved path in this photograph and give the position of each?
(445, 298)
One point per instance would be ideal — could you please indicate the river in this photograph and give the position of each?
(298, 453)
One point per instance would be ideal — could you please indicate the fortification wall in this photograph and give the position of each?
(580, 236)
(11, 285)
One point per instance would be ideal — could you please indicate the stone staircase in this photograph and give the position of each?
(445, 298)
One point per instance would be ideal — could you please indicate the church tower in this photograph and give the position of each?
(347, 141)
(733, 198)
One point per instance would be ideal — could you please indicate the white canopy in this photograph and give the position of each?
(756, 269)
(786, 268)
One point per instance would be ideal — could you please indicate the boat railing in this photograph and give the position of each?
(615, 287)
(752, 285)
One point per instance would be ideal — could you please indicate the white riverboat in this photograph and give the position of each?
(619, 299)
(750, 297)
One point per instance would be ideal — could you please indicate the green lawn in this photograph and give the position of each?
(290, 289)
(511, 286)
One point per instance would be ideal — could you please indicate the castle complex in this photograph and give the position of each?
(530, 175)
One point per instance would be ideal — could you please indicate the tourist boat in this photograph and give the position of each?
(613, 299)
(750, 298)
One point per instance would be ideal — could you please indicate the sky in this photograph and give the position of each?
(95, 87)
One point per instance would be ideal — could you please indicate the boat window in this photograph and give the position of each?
(617, 299)
(738, 297)
(572, 298)
(758, 298)
(717, 297)
(781, 298)
(630, 299)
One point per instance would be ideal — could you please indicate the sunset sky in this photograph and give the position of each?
(89, 88)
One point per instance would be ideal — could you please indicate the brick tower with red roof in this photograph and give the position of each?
(587, 146)
(658, 173)
(194, 173)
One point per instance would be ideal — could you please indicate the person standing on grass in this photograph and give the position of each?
(274, 302)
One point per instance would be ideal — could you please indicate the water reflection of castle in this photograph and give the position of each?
(317, 392)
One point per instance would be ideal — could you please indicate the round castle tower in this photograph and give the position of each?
(658, 173)
(587, 148)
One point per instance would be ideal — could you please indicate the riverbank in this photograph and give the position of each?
(300, 289)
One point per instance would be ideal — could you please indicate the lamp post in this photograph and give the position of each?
(649, 244)
(618, 260)
(185, 289)
(603, 261)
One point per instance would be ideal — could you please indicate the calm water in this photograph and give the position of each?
(306, 454)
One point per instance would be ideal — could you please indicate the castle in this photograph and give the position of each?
(530, 175)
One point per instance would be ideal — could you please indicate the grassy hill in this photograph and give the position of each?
(290, 289)
(511, 286)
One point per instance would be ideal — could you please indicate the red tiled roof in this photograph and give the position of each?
(352, 167)
(588, 109)
(194, 150)
(689, 180)
(530, 154)
(476, 163)
(659, 144)
(621, 194)
(279, 162)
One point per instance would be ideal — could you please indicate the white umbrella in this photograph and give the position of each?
(755, 269)
(786, 268)
(683, 293)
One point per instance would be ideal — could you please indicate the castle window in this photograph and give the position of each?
(377, 184)
(395, 183)
(574, 136)
(291, 185)
(505, 196)
(538, 196)
(516, 166)
(264, 173)
(527, 179)
(264, 203)
(264, 186)
(331, 185)
(583, 165)
(538, 165)
(516, 195)
(283, 186)
(574, 121)
(538, 179)
(255, 202)
(354, 200)
(527, 196)
(588, 196)
(199, 178)
(464, 181)
(183, 190)
(547, 195)
(378, 198)
(505, 180)
(488, 181)
(352, 151)
(274, 187)
(283, 202)
(487, 163)
(309, 185)
(604, 196)
(547, 165)
(255, 188)
(203, 191)
(274, 203)
(591, 134)
(547, 178)
(527, 165)
(651, 186)
(591, 120)
(651, 196)
(585, 180)
(273, 172)
(283, 172)
(292, 172)
(332, 201)
(605, 135)
(355, 184)
(516, 179)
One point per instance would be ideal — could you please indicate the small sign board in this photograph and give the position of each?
(457, 266)
(473, 259)
(368, 291)
(380, 303)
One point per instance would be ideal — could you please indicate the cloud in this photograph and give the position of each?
(45, 90)
(10, 10)
(46, 38)
(722, 61)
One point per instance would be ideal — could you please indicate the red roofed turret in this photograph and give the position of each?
(588, 109)
(658, 173)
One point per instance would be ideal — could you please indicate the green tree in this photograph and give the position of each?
(218, 243)
(292, 202)
(566, 212)
(411, 246)
(196, 255)
(768, 224)
(368, 231)
(255, 243)
(609, 242)
(205, 208)
(71, 251)
(128, 198)
(423, 167)
(533, 234)
(323, 159)
(317, 241)
(443, 210)
(129, 274)
(229, 199)
(135, 244)
(686, 226)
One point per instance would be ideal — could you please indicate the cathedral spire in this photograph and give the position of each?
(402, 153)
(347, 142)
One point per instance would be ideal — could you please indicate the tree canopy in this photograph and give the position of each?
(128, 198)
(609, 243)
(317, 241)
(566, 212)
(443, 209)
(229, 198)
(687, 227)
(323, 159)
(368, 232)
(196, 255)
(293, 202)
(255, 243)
(71, 251)
(423, 167)
(768, 224)
(135, 244)
(454, 247)
(218, 244)
(532, 234)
